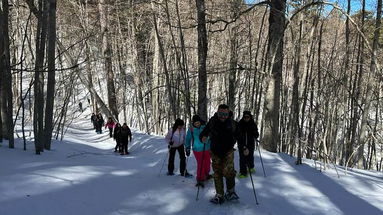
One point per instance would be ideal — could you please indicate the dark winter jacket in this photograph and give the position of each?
(247, 131)
(117, 134)
(223, 135)
(126, 135)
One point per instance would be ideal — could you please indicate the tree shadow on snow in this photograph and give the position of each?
(348, 203)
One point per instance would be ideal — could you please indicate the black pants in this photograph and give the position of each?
(172, 154)
(124, 147)
(118, 146)
(111, 132)
(246, 161)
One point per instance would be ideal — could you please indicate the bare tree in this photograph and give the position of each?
(275, 63)
(202, 55)
(6, 80)
(107, 54)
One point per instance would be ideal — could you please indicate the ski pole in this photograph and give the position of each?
(260, 156)
(163, 163)
(252, 182)
(200, 170)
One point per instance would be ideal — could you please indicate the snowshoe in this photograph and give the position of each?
(218, 199)
(229, 196)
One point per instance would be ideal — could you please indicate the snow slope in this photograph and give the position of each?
(82, 175)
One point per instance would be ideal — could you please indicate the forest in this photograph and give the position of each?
(309, 70)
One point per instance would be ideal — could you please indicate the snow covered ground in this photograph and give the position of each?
(82, 175)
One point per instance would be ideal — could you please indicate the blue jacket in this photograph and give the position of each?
(197, 145)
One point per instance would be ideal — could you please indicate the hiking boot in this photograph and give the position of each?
(231, 196)
(170, 173)
(242, 176)
(218, 199)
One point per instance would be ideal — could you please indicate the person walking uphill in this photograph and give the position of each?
(110, 124)
(201, 150)
(248, 133)
(176, 139)
(223, 131)
(117, 137)
(125, 137)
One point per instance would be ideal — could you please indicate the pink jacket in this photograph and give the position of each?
(110, 125)
(178, 137)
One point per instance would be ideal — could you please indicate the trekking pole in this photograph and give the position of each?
(163, 163)
(260, 156)
(252, 183)
(200, 170)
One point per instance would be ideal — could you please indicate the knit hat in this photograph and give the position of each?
(179, 122)
(196, 118)
(247, 113)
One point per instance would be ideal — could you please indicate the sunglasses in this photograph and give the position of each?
(246, 117)
(223, 114)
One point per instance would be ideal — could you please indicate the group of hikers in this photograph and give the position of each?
(121, 134)
(213, 145)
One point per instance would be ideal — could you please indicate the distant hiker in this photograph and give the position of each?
(99, 123)
(80, 106)
(126, 137)
(201, 150)
(110, 124)
(93, 120)
(223, 131)
(248, 133)
(117, 137)
(176, 139)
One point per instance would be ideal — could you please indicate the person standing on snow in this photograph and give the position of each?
(125, 138)
(117, 137)
(248, 133)
(93, 120)
(99, 123)
(223, 132)
(110, 125)
(201, 150)
(176, 139)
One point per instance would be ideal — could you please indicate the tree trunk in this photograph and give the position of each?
(202, 55)
(6, 92)
(107, 54)
(38, 119)
(168, 79)
(51, 74)
(271, 136)
(295, 103)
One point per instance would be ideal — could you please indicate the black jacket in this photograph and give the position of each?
(247, 131)
(126, 135)
(223, 135)
(117, 134)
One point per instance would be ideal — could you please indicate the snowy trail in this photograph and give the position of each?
(82, 175)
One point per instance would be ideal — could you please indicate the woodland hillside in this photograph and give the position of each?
(308, 70)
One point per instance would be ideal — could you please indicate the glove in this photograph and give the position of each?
(245, 151)
(169, 146)
(188, 152)
(170, 143)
